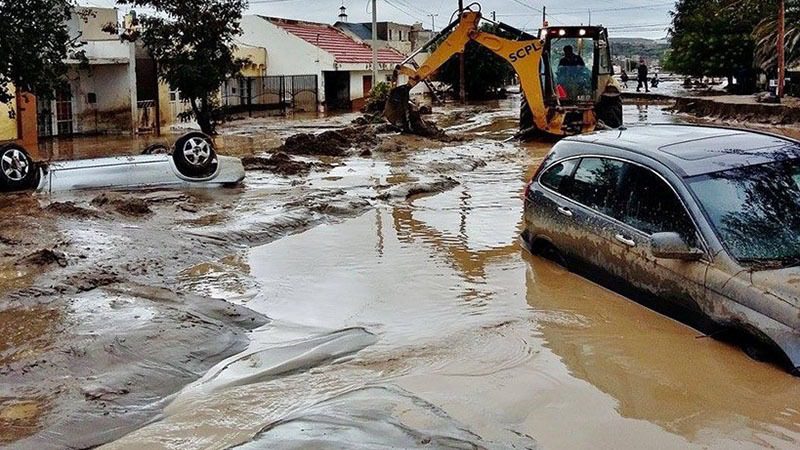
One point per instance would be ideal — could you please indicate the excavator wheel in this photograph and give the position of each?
(525, 115)
(609, 111)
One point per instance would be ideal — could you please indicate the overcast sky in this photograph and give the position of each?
(624, 18)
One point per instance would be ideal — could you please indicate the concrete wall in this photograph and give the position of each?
(18, 121)
(8, 120)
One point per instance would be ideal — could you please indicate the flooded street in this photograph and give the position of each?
(384, 301)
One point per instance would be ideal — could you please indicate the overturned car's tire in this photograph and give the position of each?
(194, 155)
(156, 149)
(609, 111)
(17, 170)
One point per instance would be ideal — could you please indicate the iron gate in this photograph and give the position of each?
(290, 92)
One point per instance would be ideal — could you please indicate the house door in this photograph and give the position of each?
(337, 90)
(44, 114)
(367, 83)
(64, 116)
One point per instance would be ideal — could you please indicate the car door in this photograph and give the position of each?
(550, 212)
(597, 249)
(648, 204)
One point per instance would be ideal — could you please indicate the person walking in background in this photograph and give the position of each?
(624, 77)
(642, 76)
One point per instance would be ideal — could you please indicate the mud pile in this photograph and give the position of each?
(281, 164)
(70, 209)
(132, 207)
(331, 143)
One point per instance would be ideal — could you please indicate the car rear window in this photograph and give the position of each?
(595, 183)
(555, 175)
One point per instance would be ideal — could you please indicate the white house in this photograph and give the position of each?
(100, 96)
(342, 65)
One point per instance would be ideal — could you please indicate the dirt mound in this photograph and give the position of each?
(281, 164)
(70, 209)
(332, 142)
(44, 257)
(408, 190)
(763, 113)
(132, 207)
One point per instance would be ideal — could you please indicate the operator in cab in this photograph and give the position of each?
(570, 58)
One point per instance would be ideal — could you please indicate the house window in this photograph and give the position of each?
(390, 35)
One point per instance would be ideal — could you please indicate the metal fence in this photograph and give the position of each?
(282, 93)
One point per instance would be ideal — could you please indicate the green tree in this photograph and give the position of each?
(710, 38)
(192, 42)
(486, 72)
(766, 36)
(34, 43)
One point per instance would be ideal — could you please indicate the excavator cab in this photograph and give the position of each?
(578, 75)
(565, 75)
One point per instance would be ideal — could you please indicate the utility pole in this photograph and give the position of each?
(590, 17)
(433, 21)
(462, 78)
(494, 16)
(781, 47)
(544, 16)
(374, 42)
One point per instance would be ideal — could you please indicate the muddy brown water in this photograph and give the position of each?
(420, 322)
(425, 324)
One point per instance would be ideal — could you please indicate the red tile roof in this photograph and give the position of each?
(343, 48)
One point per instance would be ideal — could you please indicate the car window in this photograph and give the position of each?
(651, 206)
(595, 184)
(554, 176)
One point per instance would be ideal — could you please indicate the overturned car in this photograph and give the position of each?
(192, 161)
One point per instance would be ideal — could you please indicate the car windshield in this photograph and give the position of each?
(756, 211)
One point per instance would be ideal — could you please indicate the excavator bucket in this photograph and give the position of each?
(403, 114)
(398, 107)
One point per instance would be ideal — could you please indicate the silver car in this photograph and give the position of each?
(192, 161)
(701, 223)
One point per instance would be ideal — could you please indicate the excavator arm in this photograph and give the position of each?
(523, 55)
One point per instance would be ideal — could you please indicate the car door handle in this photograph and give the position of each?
(625, 240)
(564, 211)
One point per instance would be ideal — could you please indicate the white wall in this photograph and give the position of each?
(113, 110)
(287, 54)
(357, 82)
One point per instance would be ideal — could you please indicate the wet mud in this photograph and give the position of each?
(371, 296)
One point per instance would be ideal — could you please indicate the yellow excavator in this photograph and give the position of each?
(565, 73)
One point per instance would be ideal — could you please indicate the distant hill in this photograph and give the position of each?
(650, 49)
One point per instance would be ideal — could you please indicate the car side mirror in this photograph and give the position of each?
(672, 245)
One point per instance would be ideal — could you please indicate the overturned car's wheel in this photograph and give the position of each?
(194, 155)
(17, 170)
(156, 149)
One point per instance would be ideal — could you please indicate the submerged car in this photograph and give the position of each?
(701, 223)
(192, 161)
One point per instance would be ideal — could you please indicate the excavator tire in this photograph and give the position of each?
(525, 115)
(609, 111)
